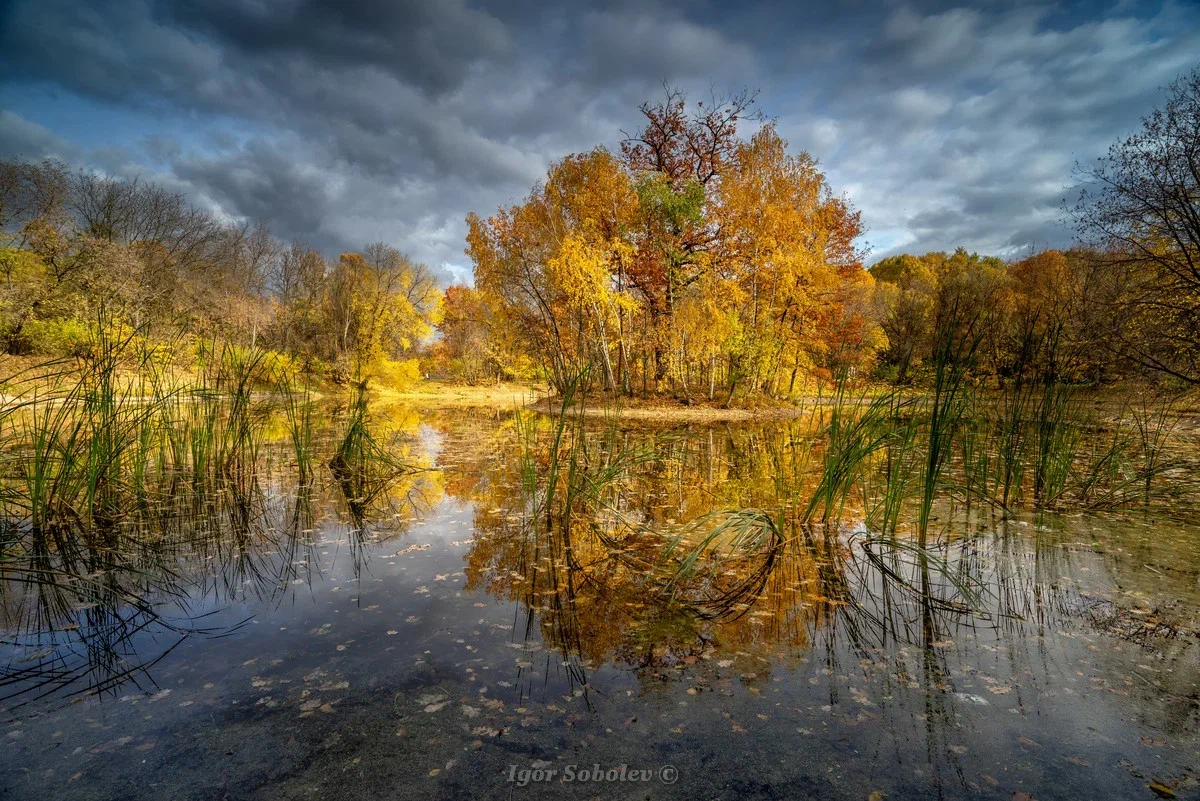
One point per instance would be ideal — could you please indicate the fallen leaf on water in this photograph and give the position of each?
(1161, 790)
(487, 731)
(111, 745)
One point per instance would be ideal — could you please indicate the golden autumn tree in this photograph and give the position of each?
(463, 349)
(789, 243)
(381, 305)
(677, 159)
(551, 266)
(698, 257)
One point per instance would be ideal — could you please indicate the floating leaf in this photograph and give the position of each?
(1161, 790)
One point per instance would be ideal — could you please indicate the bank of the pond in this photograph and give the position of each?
(434, 393)
(1113, 402)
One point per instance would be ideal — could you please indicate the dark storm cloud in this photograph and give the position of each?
(430, 45)
(962, 126)
(347, 122)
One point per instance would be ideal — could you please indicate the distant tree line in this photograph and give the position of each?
(695, 261)
(74, 244)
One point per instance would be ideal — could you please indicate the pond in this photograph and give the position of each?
(482, 624)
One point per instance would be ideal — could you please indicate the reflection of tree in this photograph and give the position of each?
(614, 574)
(374, 465)
(89, 608)
(595, 585)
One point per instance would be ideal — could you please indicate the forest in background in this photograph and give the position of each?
(704, 260)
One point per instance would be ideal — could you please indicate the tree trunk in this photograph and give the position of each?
(610, 383)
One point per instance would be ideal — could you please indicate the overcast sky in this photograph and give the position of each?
(341, 122)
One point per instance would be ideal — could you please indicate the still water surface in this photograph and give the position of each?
(420, 644)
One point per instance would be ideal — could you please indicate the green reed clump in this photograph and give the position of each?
(578, 469)
(978, 464)
(1057, 431)
(357, 445)
(296, 400)
(79, 456)
(729, 565)
(853, 430)
(228, 384)
(365, 469)
(889, 488)
(1102, 475)
(957, 337)
(1011, 442)
(1155, 421)
(1039, 443)
(88, 455)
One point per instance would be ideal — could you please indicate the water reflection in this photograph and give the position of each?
(939, 636)
(88, 609)
(648, 569)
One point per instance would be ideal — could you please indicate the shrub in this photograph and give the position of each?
(61, 337)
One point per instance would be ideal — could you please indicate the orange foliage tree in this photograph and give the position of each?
(697, 258)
